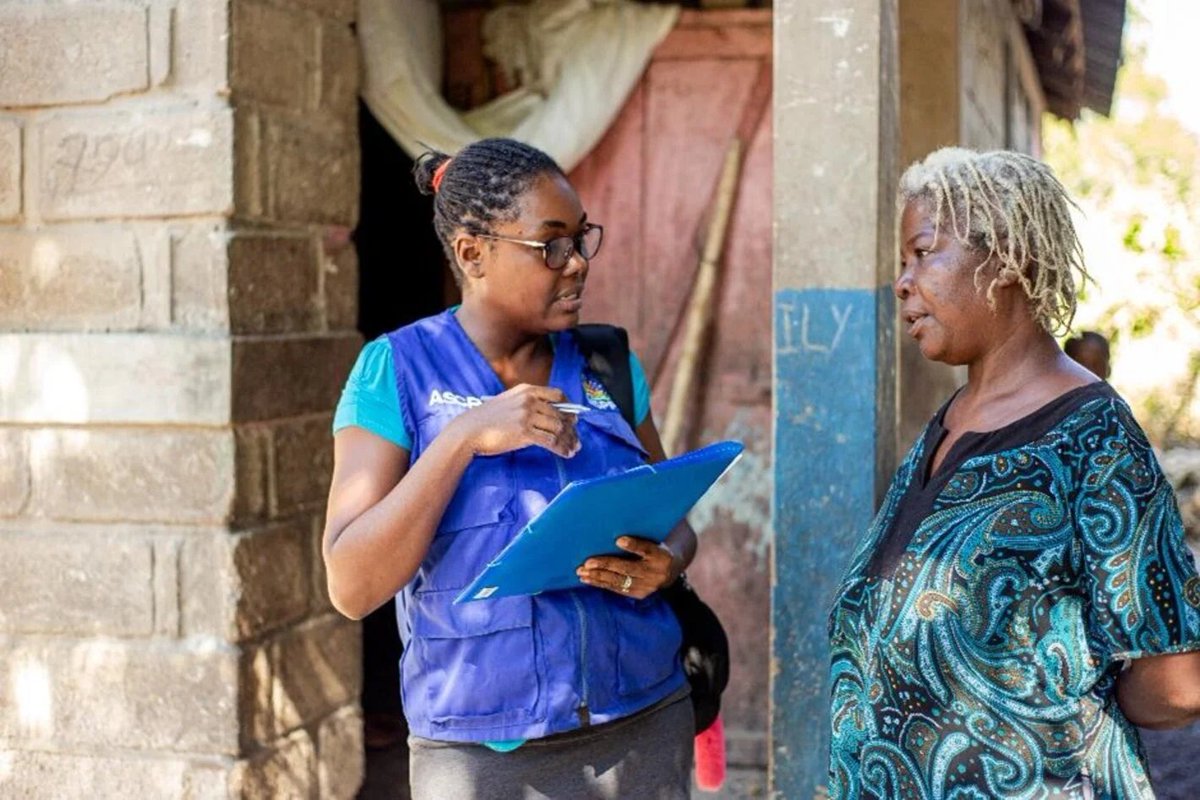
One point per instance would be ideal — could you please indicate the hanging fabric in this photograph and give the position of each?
(575, 62)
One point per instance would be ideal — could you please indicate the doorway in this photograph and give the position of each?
(402, 278)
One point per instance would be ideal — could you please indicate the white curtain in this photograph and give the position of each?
(576, 61)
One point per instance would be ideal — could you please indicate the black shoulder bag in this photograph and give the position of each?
(705, 648)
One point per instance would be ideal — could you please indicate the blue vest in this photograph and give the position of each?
(516, 667)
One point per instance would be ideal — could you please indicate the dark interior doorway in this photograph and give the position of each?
(402, 272)
(402, 278)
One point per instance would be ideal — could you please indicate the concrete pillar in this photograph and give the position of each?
(836, 147)
(173, 336)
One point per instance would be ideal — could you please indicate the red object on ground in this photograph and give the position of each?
(710, 757)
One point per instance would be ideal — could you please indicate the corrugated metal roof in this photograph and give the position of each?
(1103, 24)
(1076, 45)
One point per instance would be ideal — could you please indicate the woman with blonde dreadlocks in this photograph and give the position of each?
(1025, 596)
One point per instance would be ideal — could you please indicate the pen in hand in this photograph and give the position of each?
(570, 408)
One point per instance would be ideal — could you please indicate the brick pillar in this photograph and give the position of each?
(173, 337)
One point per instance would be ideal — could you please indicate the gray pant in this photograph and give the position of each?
(644, 757)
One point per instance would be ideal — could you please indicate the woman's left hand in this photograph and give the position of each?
(654, 566)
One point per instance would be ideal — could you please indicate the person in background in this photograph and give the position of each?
(1091, 350)
(1024, 597)
(448, 439)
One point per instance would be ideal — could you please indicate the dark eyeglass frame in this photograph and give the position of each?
(574, 244)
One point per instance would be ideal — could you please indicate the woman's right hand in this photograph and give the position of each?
(520, 417)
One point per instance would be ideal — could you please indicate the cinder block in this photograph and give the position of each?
(136, 162)
(273, 284)
(312, 176)
(200, 44)
(76, 583)
(248, 160)
(240, 586)
(303, 464)
(14, 471)
(254, 693)
(253, 454)
(273, 55)
(319, 592)
(75, 378)
(36, 775)
(287, 770)
(280, 376)
(200, 278)
(316, 669)
(56, 54)
(132, 474)
(270, 570)
(339, 65)
(341, 10)
(154, 249)
(158, 42)
(340, 289)
(169, 696)
(10, 169)
(86, 277)
(167, 601)
(207, 591)
(298, 677)
(340, 757)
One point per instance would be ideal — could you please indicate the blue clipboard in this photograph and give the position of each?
(587, 517)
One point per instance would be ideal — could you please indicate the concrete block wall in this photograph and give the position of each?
(176, 318)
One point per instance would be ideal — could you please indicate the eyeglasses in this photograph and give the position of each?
(558, 251)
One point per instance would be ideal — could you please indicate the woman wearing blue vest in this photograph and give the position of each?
(447, 441)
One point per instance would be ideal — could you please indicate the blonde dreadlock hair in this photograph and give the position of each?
(1012, 208)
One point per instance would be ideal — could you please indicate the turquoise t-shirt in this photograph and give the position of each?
(371, 399)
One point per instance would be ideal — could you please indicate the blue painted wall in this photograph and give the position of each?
(834, 434)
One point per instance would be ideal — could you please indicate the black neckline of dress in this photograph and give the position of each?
(1021, 431)
(923, 489)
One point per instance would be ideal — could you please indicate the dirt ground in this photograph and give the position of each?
(1174, 762)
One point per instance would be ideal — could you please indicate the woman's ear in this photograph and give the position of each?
(468, 252)
(1007, 276)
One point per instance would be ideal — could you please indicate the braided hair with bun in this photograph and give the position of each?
(481, 185)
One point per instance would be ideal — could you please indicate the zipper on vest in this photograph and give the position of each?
(583, 711)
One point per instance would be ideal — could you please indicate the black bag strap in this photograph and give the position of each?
(606, 348)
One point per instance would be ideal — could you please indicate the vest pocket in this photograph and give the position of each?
(484, 493)
(475, 527)
(455, 557)
(474, 664)
(648, 641)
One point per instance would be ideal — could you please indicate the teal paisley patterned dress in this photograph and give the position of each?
(977, 637)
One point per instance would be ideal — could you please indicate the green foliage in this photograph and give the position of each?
(1136, 175)
(1143, 322)
(1133, 234)
(1172, 248)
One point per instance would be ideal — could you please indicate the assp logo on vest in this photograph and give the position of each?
(448, 398)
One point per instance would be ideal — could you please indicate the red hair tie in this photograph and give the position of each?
(440, 173)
